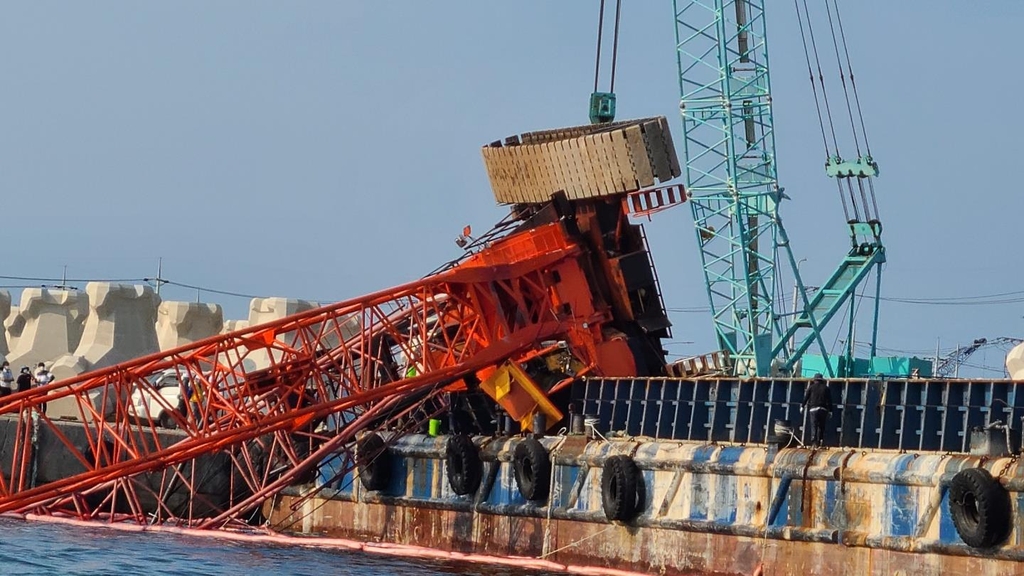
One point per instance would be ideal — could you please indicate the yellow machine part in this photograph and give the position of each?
(519, 395)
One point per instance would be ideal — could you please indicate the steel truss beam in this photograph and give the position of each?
(328, 374)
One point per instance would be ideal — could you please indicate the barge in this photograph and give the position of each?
(719, 489)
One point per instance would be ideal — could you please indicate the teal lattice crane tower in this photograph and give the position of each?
(729, 148)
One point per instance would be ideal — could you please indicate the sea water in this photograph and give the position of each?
(39, 548)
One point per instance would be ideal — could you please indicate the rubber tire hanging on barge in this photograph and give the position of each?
(532, 466)
(622, 489)
(373, 460)
(981, 509)
(463, 465)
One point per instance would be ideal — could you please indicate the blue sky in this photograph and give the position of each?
(329, 149)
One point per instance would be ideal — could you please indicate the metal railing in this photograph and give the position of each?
(925, 415)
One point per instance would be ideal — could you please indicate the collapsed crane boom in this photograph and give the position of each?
(329, 373)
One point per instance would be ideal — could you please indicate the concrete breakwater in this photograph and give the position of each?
(54, 458)
(73, 332)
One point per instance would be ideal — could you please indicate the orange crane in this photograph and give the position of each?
(561, 272)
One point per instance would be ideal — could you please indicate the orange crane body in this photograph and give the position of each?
(387, 360)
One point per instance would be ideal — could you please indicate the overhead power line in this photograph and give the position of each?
(46, 279)
(206, 289)
(1001, 298)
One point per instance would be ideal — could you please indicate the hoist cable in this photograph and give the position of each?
(821, 79)
(853, 83)
(864, 198)
(860, 113)
(615, 42)
(842, 79)
(842, 198)
(597, 63)
(871, 187)
(853, 197)
(814, 87)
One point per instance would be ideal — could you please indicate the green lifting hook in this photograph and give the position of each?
(602, 107)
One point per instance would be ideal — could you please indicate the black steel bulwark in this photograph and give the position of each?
(926, 415)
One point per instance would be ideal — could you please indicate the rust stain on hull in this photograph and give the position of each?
(705, 509)
(650, 550)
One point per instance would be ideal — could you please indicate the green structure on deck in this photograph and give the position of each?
(729, 149)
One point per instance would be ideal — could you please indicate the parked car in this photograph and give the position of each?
(168, 389)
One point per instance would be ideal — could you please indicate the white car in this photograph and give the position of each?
(147, 405)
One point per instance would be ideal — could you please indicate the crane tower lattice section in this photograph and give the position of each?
(730, 169)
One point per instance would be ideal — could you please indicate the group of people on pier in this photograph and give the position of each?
(25, 380)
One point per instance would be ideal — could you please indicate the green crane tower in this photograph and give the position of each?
(729, 151)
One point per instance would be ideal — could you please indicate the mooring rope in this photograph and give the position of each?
(577, 542)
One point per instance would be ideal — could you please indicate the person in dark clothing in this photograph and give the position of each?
(817, 407)
(24, 380)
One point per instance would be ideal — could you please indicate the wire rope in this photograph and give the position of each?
(842, 79)
(814, 87)
(600, 33)
(853, 82)
(615, 45)
(821, 79)
(615, 42)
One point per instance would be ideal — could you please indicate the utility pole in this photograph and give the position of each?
(159, 280)
(63, 280)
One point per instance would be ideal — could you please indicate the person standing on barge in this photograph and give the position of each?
(817, 408)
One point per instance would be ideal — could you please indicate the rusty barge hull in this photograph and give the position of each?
(714, 509)
(643, 549)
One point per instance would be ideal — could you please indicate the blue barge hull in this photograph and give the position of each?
(717, 501)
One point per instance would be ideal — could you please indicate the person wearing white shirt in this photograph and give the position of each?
(42, 377)
(6, 379)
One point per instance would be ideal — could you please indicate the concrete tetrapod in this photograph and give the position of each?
(180, 323)
(49, 324)
(121, 326)
(232, 325)
(9, 322)
(5, 311)
(263, 310)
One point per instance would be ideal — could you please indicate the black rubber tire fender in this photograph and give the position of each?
(622, 489)
(373, 462)
(463, 465)
(981, 508)
(532, 466)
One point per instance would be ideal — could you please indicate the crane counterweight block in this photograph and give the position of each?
(592, 161)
